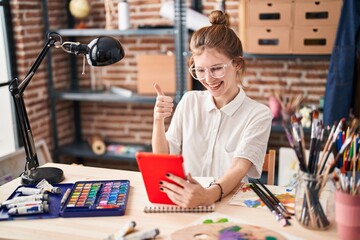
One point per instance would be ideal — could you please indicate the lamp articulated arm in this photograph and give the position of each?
(17, 89)
(101, 51)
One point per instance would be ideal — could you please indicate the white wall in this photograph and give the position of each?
(7, 131)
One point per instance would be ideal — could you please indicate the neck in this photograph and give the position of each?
(225, 99)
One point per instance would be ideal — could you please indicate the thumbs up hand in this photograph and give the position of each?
(164, 104)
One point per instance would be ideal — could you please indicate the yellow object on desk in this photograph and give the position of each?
(101, 227)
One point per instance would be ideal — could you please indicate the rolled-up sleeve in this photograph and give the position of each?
(254, 141)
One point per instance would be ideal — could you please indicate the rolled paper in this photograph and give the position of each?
(97, 145)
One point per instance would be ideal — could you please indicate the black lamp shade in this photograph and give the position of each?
(104, 51)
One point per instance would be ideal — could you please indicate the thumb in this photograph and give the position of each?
(191, 179)
(158, 90)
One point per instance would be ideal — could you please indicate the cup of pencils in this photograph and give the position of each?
(347, 208)
(314, 195)
(314, 201)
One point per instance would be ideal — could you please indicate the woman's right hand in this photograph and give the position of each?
(163, 106)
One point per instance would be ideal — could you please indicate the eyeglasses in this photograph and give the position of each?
(217, 71)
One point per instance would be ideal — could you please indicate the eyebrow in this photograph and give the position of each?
(215, 65)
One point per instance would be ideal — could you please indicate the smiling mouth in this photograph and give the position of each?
(215, 86)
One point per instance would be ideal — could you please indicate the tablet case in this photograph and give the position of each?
(153, 168)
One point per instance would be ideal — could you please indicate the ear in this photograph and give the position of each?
(239, 63)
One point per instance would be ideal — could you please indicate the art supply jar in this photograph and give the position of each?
(347, 212)
(314, 201)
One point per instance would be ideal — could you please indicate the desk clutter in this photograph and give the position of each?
(79, 199)
(279, 200)
(337, 162)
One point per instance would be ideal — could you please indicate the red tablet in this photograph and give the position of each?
(153, 168)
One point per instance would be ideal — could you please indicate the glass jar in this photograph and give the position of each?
(314, 201)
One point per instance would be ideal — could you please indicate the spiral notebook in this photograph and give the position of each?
(167, 208)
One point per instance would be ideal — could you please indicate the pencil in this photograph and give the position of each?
(65, 196)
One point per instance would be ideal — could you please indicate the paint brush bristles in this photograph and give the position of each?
(299, 148)
(313, 140)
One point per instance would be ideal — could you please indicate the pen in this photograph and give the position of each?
(65, 196)
(126, 229)
(146, 234)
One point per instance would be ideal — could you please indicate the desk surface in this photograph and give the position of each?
(101, 227)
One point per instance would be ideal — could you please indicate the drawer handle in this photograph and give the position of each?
(269, 4)
(315, 42)
(269, 16)
(317, 3)
(268, 30)
(315, 29)
(317, 15)
(268, 42)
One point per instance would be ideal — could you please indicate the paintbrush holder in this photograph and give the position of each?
(314, 201)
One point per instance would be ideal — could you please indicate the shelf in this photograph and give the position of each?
(83, 150)
(115, 32)
(277, 127)
(288, 56)
(103, 96)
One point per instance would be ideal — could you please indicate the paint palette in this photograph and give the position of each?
(96, 198)
(225, 231)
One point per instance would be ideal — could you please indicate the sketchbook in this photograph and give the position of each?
(168, 208)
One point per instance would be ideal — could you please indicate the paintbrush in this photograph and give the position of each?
(298, 146)
(313, 140)
(332, 143)
(277, 201)
(278, 215)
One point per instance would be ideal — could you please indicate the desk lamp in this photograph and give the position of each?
(101, 51)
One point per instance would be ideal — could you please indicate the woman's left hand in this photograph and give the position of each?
(186, 193)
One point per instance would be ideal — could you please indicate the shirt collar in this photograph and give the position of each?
(230, 108)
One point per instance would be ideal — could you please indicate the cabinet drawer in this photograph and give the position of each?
(317, 12)
(275, 40)
(310, 40)
(268, 13)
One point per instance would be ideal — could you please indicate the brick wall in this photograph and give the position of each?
(133, 122)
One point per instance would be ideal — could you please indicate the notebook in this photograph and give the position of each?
(167, 208)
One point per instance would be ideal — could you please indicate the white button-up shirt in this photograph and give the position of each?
(209, 138)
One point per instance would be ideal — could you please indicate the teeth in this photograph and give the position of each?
(215, 86)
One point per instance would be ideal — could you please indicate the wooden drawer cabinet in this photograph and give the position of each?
(289, 26)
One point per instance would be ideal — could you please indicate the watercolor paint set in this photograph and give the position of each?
(106, 198)
(79, 199)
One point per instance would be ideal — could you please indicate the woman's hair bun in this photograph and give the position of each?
(218, 17)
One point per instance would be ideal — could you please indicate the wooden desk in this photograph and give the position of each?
(101, 227)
